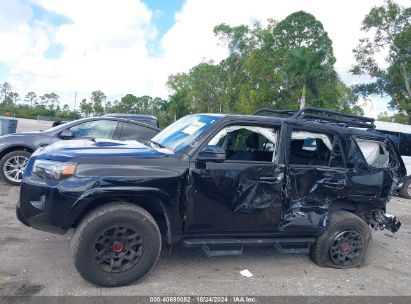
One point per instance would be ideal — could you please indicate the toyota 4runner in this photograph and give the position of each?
(308, 181)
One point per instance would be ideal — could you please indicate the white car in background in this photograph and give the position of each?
(401, 136)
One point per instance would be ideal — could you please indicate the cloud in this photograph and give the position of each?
(106, 44)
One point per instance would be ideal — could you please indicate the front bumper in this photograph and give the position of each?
(43, 206)
(41, 221)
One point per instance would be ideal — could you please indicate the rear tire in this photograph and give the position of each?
(344, 244)
(405, 190)
(116, 245)
(12, 166)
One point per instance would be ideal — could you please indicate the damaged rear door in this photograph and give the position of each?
(378, 168)
(242, 193)
(317, 176)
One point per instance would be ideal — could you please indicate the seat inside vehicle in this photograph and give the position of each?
(309, 151)
(247, 143)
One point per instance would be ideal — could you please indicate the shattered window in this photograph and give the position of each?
(374, 152)
(405, 144)
(247, 143)
(314, 149)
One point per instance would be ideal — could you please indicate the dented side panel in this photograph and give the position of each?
(233, 197)
(311, 191)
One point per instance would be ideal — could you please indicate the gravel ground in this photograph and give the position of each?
(27, 125)
(38, 263)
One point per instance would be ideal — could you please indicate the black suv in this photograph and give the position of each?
(311, 181)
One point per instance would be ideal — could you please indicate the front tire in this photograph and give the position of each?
(116, 245)
(344, 244)
(12, 166)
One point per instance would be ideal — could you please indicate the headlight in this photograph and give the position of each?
(53, 169)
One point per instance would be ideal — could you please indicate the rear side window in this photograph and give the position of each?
(375, 152)
(136, 132)
(405, 144)
(315, 149)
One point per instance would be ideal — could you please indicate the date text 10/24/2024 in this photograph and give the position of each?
(203, 299)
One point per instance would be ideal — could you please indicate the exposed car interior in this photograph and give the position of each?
(246, 143)
(314, 149)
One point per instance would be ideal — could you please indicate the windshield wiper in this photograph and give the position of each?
(156, 144)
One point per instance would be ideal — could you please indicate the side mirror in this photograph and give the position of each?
(66, 134)
(212, 154)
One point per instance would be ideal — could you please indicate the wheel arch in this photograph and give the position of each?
(153, 203)
(13, 148)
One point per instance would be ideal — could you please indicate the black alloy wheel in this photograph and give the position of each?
(346, 248)
(118, 249)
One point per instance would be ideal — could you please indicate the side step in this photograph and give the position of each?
(283, 245)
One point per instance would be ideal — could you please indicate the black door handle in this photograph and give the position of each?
(334, 183)
(277, 178)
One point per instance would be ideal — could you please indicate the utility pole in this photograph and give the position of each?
(75, 101)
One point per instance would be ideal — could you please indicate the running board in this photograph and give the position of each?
(283, 245)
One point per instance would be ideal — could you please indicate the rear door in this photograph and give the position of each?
(316, 175)
(378, 168)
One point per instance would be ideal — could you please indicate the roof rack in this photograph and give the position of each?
(323, 116)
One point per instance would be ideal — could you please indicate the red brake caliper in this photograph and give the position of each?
(117, 247)
(345, 247)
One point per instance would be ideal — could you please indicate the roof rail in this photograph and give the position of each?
(323, 116)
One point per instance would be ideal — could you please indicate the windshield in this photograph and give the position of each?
(184, 132)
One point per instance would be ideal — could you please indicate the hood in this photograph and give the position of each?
(67, 149)
(20, 134)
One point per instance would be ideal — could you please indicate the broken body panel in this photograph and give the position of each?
(190, 196)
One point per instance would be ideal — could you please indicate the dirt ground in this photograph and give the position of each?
(27, 125)
(38, 263)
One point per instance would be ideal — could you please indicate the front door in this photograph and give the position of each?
(242, 194)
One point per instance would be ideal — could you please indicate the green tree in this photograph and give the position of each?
(86, 107)
(179, 104)
(306, 50)
(398, 117)
(14, 98)
(389, 25)
(98, 99)
(128, 104)
(50, 101)
(5, 90)
(30, 98)
(281, 65)
(66, 108)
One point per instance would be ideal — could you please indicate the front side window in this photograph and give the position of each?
(247, 143)
(315, 149)
(375, 152)
(95, 129)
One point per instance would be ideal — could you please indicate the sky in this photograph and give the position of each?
(132, 46)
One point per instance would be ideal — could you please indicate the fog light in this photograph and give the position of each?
(40, 204)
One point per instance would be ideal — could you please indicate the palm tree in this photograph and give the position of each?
(306, 69)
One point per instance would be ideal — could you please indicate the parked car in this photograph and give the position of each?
(16, 148)
(147, 119)
(401, 137)
(311, 182)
